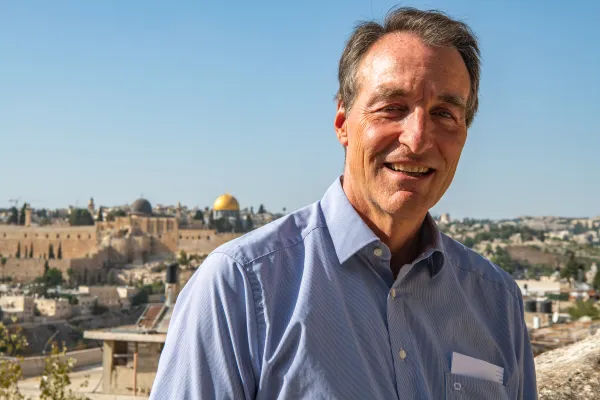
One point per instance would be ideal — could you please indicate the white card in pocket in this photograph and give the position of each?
(473, 367)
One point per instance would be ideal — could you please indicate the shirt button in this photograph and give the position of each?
(378, 252)
(402, 354)
(393, 293)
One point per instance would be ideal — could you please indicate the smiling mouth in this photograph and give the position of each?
(410, 170)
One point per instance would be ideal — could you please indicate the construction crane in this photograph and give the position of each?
(15, 202)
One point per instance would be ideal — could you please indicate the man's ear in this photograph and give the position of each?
(339, 124)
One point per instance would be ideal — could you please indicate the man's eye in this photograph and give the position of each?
(392, 109)
(445, 114)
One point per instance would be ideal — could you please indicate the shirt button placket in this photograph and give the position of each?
(398, 340)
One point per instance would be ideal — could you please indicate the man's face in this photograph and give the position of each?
(406, 129)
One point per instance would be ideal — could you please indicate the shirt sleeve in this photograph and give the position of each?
(527, 378)
(210, 349)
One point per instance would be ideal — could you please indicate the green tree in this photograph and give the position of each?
(11, 343)
(239, 225)
(51, 251)
(183, 258)
(469, 242)
(14, 216)
(54, 277)
(100, 214)
(59, 253)
(71, 276)
(222, 225)
(502, 259)
(3, 261)
(261, 209)
(114, 214)
(596, 280)
(112, 277)
(584, 309)
(55, 379)
(80, 217)
(211, 219)
(199, 215)
(18, 254)
(22, 216)
(139, 298)
(248, 224)
(579, 228)
(571, 270)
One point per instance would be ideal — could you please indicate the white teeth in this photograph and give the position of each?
(409, 168)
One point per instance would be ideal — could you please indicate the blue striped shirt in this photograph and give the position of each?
(307, 308)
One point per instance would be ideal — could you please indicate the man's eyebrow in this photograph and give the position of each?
(386, 93)
(453, 99)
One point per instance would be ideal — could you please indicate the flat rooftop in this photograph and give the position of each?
(129, 333)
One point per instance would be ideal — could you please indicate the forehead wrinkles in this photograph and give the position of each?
(402, 59)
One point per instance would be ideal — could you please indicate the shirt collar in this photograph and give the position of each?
(350, 233)
(433, 246)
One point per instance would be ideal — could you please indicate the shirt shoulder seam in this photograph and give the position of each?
(258, 308)
(302, 239)
(514, 295)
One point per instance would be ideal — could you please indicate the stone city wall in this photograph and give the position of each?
(25, 270)
(35, 242)
(92, 247)
(202, 241)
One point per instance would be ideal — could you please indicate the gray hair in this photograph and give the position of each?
(433, 27)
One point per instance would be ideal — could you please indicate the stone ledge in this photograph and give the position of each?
(571, 372)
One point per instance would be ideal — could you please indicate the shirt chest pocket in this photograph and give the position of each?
(461, 387)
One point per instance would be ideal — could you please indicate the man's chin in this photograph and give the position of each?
(405, 205)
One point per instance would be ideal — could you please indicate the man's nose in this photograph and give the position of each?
(415, 133)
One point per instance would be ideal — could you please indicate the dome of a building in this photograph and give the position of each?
(226, 202)
(141, 207)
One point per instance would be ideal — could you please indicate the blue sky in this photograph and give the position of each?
(182, 101)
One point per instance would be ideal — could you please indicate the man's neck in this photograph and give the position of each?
(402, 238)
(401, 235)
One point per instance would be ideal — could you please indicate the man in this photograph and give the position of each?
(359, 296)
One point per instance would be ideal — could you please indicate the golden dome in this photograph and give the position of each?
(226, 202)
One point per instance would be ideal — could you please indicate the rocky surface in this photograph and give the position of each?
(571, 372)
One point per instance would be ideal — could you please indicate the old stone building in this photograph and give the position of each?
(125, 239)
